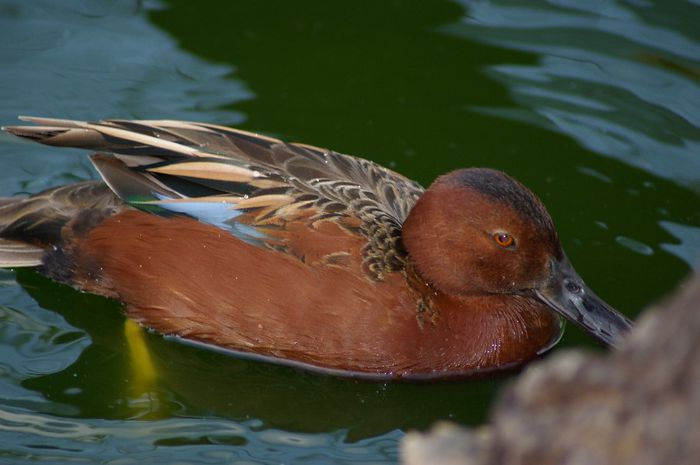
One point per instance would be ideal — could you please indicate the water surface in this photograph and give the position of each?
(595, 107)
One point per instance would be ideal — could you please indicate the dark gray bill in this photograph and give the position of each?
(568, 295)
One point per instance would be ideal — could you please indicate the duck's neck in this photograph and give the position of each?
(481, 333)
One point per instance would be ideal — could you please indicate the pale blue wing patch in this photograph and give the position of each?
(221, 214)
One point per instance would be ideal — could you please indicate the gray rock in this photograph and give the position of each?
(637, 405)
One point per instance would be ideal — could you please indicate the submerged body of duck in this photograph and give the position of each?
(303, 255)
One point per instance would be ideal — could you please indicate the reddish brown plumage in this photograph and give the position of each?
(449, 235)
(304, 255)
(183, 277)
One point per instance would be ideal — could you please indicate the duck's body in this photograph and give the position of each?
(300, 254)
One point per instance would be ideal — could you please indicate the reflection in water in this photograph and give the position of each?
(33, 342)
(47, 439)
(634, 246)
(103, 58)
(45, 347)
(91, 60)
(689, 247)
(612, 75)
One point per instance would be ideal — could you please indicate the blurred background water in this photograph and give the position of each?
(594, 105)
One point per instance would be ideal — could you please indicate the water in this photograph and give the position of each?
(595, 107)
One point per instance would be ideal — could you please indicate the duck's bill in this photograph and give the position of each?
(568, 295)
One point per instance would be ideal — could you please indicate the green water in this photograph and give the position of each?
(594, 105)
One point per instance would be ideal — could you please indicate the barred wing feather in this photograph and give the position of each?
(245, 183)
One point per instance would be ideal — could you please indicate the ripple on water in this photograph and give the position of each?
(634, 245)
(31, 346)
(622, 85)
(688, 248)
(178, 440)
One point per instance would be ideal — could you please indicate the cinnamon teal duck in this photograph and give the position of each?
(302, 255)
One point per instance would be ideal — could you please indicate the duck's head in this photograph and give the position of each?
(478, 231)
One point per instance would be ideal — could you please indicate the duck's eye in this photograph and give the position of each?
(503, 239)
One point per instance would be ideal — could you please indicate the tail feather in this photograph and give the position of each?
(60, 136)
(31, 225)
(15, 254)
(9, 200)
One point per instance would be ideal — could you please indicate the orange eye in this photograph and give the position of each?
(503, 239)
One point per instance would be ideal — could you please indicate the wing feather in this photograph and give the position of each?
(248, 181)
(15, 254)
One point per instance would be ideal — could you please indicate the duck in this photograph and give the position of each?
(303, 256)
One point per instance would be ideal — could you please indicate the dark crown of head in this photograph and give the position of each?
(502, 188)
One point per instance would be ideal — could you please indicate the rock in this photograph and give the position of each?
(637, 405)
